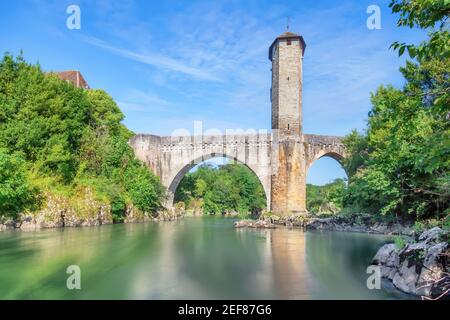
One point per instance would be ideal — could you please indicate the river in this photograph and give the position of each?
(193, 258)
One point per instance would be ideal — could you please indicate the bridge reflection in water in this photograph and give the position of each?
(286, 254)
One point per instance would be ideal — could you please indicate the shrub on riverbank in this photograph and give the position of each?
(16, 192)
(69, 139)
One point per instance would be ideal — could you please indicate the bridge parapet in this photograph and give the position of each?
(318, 146)
(323, 140)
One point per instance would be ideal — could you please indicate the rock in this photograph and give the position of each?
(231, 214)
(259, 224)
(413, 250)
(356, 223)
(419, 267)
(379, 228)
(407, 231)
(405, 278)
(322, 224)
(388, 259)
(29, 224)
(383, 256)
(433, 268)
(9, 224)
(431, 235)
(58, 211)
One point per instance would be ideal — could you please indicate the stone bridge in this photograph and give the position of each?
(171, 158)
(279, 159)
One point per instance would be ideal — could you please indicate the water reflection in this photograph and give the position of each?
(196, 258)
(290, 273)
(338, 263)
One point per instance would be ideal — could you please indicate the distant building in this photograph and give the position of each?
(73, 77)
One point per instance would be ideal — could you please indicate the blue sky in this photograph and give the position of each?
(170, 63)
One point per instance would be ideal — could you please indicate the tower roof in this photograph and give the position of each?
(287, 35)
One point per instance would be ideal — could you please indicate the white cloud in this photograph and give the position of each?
(154, 59)
(136, 100)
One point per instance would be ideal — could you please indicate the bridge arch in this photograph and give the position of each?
(326, 153)
(325, 179)
(175, 181)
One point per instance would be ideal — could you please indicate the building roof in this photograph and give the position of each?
(73, 76)
(284, 36)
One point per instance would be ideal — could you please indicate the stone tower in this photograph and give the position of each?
(288, 167)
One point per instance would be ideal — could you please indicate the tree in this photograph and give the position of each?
(424, 14)
(401, 165)
(16, 193)
(231, 187)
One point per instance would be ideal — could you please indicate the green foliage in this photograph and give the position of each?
(16, 193)
(406, 165)
(229, 188)
(69, 138)
(358, 152)
(144, 188)
(419, 227)
(118, 203)
(400, 242)
(424, 14)
(422, 225)
(41, 116)
(401, 165)
(327, 199)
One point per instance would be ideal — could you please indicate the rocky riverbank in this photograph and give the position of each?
(358, 223)
(256, 224)
(353, 223)
(421, 267)
(418, 264)
(58, 212)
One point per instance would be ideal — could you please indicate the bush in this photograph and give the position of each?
(143, 187)
(400, 242)
(16, 194)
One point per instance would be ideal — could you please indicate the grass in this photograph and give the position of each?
(400, 242)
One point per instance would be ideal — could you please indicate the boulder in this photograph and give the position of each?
(405, 278)
(431, 235)
(388, 259)
(324, 224)
(384, 256)
(420, 268)
(29, 224)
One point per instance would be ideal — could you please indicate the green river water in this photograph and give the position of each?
(194, 258)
